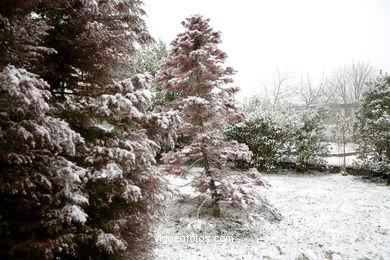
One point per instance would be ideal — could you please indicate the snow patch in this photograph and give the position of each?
(110, 243)
(111, 171)
(73, 213)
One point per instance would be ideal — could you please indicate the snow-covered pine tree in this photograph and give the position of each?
(373, 126)
(41, 188)
(78, 144)
(195, 73)
(111, 113)
(149, 59)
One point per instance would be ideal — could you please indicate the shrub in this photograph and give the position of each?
(278, 137)
(373, 126)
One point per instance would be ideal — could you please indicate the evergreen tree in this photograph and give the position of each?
(78, 140)
(149, 60)
(308, 146)
(41, 188)
(373, 126)
(195, 73)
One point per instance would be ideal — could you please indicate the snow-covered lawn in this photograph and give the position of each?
(324, 217)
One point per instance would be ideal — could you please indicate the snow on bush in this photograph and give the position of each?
(110, 243)
(373, 126)
(275, 137)
(73, 213)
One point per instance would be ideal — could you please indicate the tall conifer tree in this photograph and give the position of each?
(196, 74)
(77, 138)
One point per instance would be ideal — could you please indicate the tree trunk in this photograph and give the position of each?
(215, 197)
(213, 188)
(344, 168)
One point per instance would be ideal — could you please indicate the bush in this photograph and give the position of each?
(282, 137)
(264, 137)
(307, 146)
(373, 127)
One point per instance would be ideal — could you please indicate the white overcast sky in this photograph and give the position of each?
(299, 36)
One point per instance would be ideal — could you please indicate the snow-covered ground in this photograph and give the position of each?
(324, 217)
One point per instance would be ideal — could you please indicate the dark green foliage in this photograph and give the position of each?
(308, 145)
(264, 137)
(282, 137)
(149, 59)
(373, 126)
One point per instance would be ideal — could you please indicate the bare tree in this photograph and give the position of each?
(279, 89)
(309, 91)
(345, 88)
(347, 83)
